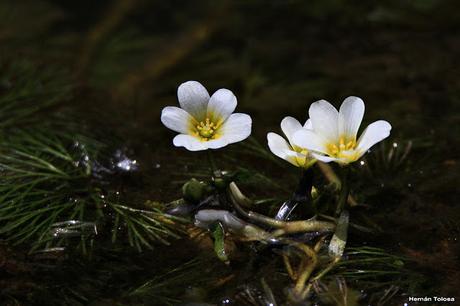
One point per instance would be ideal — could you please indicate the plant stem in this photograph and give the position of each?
(303, 191)
(344, 191)
(308, 264)
(301, 199)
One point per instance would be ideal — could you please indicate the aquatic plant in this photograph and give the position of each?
(205, 122)
(50, 198)
(329, 135)
(163, 288)
(333, 137)
(288, 150)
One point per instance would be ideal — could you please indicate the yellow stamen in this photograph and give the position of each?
(206, 130)
(344, 144)
(305, 160)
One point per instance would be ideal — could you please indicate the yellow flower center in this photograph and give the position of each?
(301, 160)
(337, 149)
(305, 160)
(206, 130)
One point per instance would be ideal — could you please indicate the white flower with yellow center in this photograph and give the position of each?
(205, 122)
(288, 150)
(334, 133)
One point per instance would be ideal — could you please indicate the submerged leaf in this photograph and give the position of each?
(219, 242)
(339, 239)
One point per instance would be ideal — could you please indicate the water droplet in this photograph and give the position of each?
(127, 164)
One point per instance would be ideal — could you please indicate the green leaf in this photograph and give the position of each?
(339, 239)
(218, 234)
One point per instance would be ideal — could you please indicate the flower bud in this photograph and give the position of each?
(194, 190)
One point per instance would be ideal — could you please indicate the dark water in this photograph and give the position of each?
(124, 60)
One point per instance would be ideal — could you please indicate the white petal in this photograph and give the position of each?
(308, 125)
(310, 140)
(350, 116)
(176, 119)
(217, 143)
(236, 128)
(324, 118)
(194, 98)
(296, 158)
(279, 146)
(289, 126)
(221, 105)
(191, 143)
(375, 132)
(324, 158)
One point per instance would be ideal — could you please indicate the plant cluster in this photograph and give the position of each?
(313, 238)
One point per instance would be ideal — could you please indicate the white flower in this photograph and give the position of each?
(205, 122)
(288, 150)
(333, 137)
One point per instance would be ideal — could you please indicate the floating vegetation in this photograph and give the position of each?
(163, 288)
(336, 292)
(305, 259)
(143, 227)
(49, 195)
(57, 196)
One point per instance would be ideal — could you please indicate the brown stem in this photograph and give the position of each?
(310, 260)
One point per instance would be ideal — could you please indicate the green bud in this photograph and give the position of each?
(194, 190)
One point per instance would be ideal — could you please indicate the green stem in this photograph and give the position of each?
(344, 191)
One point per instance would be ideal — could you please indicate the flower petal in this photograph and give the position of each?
(375, 132)
(221, 105)
(236, 128)
(191, 143)
(324, 158)
(324, 118)
(177, 119)
(217, 143)
(308, 125)
(194, 98)
(350, 116)
(309, 140)
(290, 125)
(280, 147)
